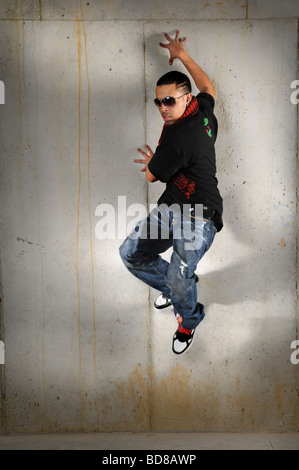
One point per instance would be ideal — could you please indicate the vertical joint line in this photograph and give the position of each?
(297, 197)
(145, 104)
(40, 10)
(2, 367)
(147, 206)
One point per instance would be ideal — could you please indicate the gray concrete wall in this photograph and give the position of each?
(84, 348)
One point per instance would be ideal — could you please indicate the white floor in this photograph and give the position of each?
(152, 441)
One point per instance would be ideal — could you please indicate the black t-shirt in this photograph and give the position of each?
(185, 160)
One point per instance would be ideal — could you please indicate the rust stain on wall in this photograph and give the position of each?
(79, 46)
(32, 148)
(179, 402)
(182, 404)
(282, 243)
(126, 406)
(20, 160)
(89, 216)
(40, 10)
(83, 60)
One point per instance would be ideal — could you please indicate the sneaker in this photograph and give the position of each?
(182, 339)
(163, 301)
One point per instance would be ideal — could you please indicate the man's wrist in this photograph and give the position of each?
(184, 56)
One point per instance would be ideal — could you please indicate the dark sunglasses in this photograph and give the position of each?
(169, 101)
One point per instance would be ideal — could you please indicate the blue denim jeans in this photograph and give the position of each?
(190, 238)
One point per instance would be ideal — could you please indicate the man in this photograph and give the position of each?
(185, 161)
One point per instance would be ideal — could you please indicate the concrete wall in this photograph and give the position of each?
(84, 348)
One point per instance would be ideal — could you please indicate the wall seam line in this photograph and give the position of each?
(150, 368)
(297, 216)
(2, 366)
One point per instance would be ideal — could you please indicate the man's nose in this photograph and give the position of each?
(163, 107)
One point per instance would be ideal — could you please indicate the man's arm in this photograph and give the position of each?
(177, 51)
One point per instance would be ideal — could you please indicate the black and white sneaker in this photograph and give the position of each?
(163, 301)
(182, 339)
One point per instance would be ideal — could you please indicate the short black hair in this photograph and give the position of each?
(180, 79)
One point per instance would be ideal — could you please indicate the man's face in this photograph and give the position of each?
(171, 114)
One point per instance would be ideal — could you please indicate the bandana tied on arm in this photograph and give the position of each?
(190, 111)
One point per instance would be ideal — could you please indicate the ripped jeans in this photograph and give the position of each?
(190, 238)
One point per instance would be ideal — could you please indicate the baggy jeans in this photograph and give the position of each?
(190, 238)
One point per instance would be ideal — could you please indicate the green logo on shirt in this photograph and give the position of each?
(208, 130)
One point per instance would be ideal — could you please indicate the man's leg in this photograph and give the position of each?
(181, 277)
(140, 252)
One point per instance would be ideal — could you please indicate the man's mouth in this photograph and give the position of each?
(166, 117)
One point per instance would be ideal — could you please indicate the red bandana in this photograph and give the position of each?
(190, 111)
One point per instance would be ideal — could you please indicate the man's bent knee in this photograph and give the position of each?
(132, 257)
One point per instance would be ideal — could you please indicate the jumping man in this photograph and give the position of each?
(185, 160)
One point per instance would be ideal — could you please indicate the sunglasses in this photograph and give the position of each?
(169, 101)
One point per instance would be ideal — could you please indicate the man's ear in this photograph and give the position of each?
(189, 99)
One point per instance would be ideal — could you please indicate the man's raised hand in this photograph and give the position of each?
(175, 46)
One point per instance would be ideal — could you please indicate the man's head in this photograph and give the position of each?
(174, 85)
